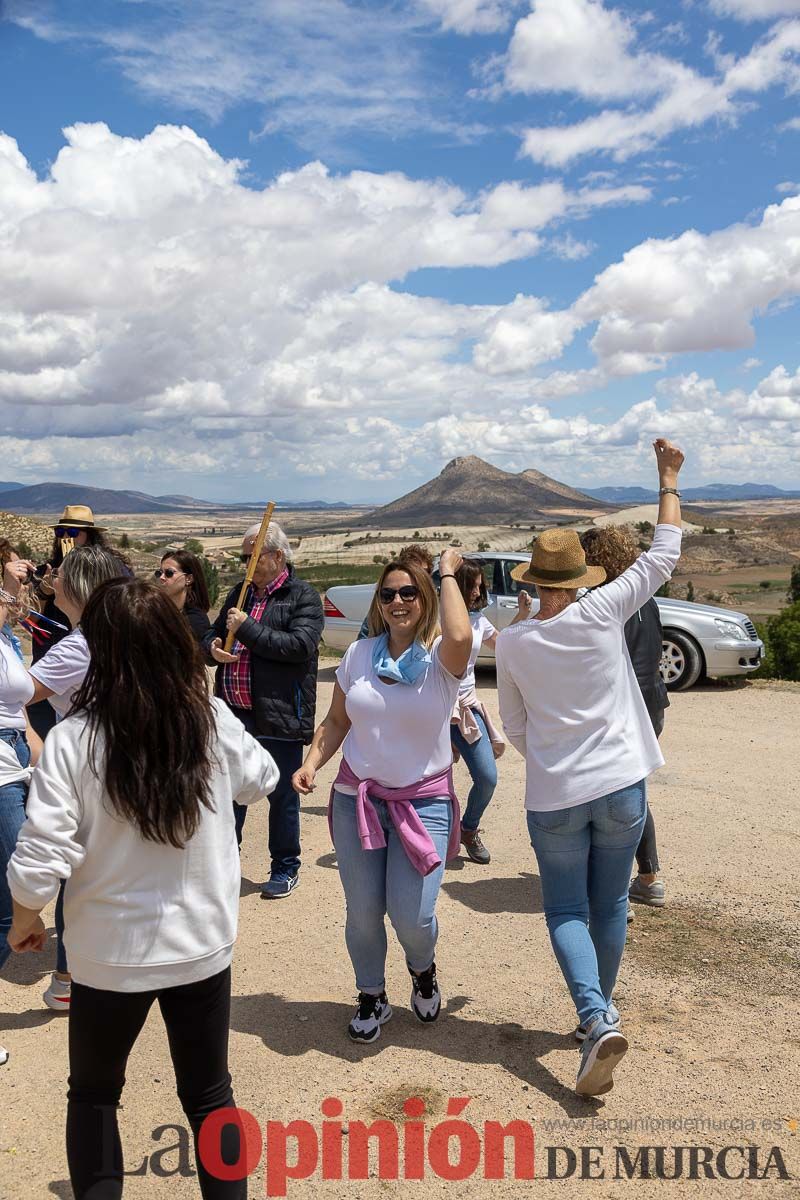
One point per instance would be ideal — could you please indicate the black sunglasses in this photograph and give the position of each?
(408, 592)
(63, 531)
(167, 572)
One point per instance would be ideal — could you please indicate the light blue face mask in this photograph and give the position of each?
(412, 663)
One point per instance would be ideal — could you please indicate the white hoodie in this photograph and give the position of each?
(139, 915)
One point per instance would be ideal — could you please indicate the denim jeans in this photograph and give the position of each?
(377, 882)
(585, 854)
(284, 803)
(480, 762)
(12, 816)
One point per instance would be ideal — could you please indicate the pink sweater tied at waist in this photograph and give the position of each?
(414, 837)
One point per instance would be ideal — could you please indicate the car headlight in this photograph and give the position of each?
(731, 629)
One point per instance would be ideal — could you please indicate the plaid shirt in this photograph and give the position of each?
(236, 680)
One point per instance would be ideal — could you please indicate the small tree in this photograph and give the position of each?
(765, 584)
(644, 527)
(212, 580)
(417, 535)
(664, 590)
(793, 594)
(193, 546)
(124, 542)
(483, 545)
(690, 591)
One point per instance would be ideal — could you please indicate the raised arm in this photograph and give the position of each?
(623, 597)
(456, 643)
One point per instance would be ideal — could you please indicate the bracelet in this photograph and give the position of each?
(669, 492)
(450, 576)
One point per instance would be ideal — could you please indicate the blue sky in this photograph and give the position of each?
(320, 249)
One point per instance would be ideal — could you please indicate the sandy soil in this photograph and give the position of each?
(707, 990)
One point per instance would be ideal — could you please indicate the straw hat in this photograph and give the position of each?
(80, 516)
(558, 561)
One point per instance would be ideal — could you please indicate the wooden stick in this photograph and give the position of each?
(251, 566)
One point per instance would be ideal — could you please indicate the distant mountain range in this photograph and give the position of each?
(471, 491)
(53, 497)
(629, 496)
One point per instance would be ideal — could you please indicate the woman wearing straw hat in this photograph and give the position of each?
(570, 703)
(75, 527)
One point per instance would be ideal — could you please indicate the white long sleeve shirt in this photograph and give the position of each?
(139, 915)
(569, 700)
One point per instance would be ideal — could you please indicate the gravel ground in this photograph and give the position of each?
(706, 995)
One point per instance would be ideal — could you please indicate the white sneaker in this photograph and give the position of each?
(372, 1012)
(603, 1049)
(426, 999)
(3, 1055)
(58, 994)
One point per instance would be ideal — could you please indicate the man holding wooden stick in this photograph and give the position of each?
(268, 678)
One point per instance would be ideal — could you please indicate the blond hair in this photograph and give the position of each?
(428, 628)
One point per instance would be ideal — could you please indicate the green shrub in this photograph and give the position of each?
(765, 584)
(690, 591)
(212, 580)
(781, 637)
(793, 594)
(124, 542)
(25, 551)
(193, 546)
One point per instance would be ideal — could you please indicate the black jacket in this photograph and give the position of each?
(643, 638)
(284, 646)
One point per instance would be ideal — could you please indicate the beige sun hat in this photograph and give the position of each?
(80, 516)
(558, 561)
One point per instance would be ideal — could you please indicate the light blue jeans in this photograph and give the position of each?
(377, 882)
(585, 855)
(12, 817)
(480, 762)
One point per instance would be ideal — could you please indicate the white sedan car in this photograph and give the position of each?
(699, 639)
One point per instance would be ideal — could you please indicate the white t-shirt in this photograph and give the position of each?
(569, 700)
(399, 732)
(63, 669)
(482, 628)
(139, 915)
(16, 690)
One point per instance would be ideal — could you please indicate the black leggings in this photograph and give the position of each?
(103, 1027)
(647, 850)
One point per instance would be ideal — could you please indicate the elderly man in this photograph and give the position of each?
(270, 682)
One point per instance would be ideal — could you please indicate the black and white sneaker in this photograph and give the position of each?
(372, 1012)
(426, 1000)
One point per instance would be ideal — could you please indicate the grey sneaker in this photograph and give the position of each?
(651, 894)
(612, 1019)
(471, 841)
(603, 1049)
(372, 1012)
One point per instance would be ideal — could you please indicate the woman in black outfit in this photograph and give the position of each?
(616, 550)
(181, 576)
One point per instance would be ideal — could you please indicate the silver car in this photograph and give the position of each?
(699, 639)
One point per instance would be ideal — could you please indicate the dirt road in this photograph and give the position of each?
(707, 995)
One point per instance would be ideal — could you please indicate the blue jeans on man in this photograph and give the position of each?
(284, 803)
(585, 854)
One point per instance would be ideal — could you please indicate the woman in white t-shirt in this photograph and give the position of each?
(474, 737)
(56, 677)
(393, 813)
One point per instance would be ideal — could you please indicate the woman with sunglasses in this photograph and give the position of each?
(393, 813)
(182, 578)
(135, 812)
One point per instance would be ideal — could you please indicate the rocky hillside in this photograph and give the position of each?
(471, 491)
(24, 529)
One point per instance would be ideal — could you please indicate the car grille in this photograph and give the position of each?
(751, 631)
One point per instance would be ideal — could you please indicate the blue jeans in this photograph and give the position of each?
(284, 803)
(377, 882)
(480, 762)
(12, 816)
(585, 855)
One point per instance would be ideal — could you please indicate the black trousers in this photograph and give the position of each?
(647, 850)
(103, 1027)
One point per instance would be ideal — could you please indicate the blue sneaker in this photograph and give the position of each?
(279, 886)
(603, 1049)
(612, 1018)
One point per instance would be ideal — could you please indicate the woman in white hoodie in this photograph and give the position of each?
(132, 804)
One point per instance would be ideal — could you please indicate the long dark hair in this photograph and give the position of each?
(146, 695)
(197, 592)
(466, 575)
(94, 537)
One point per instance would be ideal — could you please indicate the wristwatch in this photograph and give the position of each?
(669, 492)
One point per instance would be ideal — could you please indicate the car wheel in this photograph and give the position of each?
(681, 661)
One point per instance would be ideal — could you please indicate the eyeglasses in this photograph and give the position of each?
(245, 558)
(408, 592)
(63, 531)
(167, 572)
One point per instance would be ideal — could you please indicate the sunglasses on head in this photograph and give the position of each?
(167, 572)
(408, 592)
(63, 531)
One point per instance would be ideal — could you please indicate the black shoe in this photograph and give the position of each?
(426, 1000)
(471, 841)
(372, 1012)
